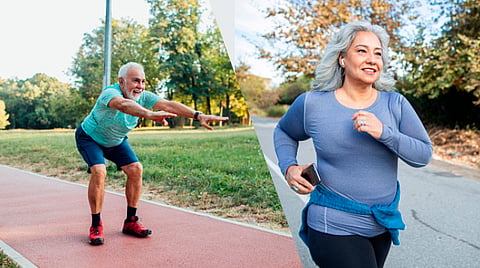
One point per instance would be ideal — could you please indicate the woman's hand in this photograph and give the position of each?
(364, 121)
(296, 182)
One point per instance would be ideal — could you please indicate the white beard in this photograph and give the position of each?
(131, 96)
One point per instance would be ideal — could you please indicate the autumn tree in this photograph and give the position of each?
(256, 90)
(444, 73)
(304, 27)
(3, 116)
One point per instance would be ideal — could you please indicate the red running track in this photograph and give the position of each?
(47, 220)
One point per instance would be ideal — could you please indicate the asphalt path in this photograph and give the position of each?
(440, 209)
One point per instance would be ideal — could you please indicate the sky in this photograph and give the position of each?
(250, 23)
(44, 36)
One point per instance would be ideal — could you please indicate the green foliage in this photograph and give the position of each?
(129, 43)
(173, 30)
(290, 90)
(277, 110)
(6, 262)
(447, 70)
(169, 50)
(41, 102)
(197, 63)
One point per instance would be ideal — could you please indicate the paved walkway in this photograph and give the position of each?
(48, 222)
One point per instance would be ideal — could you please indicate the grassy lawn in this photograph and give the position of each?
(221, 172)
(5, 262)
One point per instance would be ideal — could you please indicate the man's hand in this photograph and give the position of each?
(204, 119)
(159, 117)
(296, 182)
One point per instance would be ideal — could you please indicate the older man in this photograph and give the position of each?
(103, 134)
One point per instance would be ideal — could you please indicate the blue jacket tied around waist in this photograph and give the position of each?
(387, 216)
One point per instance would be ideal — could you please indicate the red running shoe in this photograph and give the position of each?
(96, 235)
(133, 227)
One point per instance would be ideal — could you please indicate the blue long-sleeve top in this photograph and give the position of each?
(352, 164)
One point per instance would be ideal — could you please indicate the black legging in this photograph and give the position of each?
(348, 251)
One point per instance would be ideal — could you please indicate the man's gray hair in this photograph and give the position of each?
(329, 75)
(124, 69)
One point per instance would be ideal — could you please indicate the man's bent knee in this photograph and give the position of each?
(99, 172)
(133, 169)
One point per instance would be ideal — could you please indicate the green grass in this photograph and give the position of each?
(221, 171)
(6, 262)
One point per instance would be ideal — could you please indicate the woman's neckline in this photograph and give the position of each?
(364, 107)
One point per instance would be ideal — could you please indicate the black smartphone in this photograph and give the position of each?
(311, 175)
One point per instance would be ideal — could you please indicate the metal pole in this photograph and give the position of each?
(107, 57)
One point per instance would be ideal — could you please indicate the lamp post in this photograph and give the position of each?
(107, 45)
(196, 69)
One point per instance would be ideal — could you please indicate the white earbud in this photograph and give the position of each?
(342, 62)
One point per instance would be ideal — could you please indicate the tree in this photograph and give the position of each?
(197, 63)
(129, 43)
(305, 26)
(217, 78)
(34, 103)
(290, 90)
(252, 87)
(173, 31)
(447, 69)
(450, 61)
(3, 116)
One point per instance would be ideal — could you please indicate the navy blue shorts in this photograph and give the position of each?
(94, 154)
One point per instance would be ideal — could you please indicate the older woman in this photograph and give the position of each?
(359, 130)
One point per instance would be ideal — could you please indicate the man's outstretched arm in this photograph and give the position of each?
(185, 111)
(132, 108)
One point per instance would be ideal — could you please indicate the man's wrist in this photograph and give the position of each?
(196, 114)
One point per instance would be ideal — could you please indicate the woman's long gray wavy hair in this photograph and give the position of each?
(329, 75)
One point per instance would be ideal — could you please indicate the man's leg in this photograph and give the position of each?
(92, 153)
(96, 192)
(133, 190)
(96, 188)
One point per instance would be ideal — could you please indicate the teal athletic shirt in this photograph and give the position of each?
(108, 126)
(352, 164)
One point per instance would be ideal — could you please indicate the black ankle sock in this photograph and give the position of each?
(95, 220)
(131, 212)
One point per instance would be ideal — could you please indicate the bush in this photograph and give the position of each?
(277, 111)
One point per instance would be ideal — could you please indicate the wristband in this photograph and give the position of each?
(195, 116)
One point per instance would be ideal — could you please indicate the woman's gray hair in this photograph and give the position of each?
(124, 69)
(329, 75)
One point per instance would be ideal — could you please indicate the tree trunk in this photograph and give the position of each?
(227, 106)
(209, 108)
(221, 113)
